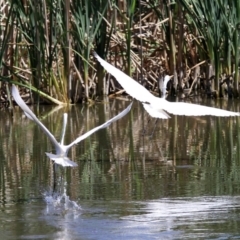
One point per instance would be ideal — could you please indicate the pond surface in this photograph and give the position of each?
(176, 179)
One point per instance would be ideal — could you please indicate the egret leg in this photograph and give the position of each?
(54, 177)
(155, 124)
(145, 129)
(58, 176)
(161, 157)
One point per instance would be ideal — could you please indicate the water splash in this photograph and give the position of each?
(58, 203)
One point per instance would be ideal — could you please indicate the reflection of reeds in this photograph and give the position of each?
(208, 145)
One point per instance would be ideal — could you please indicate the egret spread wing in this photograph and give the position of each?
(132, 87)
(104, 125)
(189, 109)
(31, 115)
(156, 106)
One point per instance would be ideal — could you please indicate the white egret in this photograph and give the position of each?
(155, 106)
(61, 150)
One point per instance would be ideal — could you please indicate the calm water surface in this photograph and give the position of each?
(183, 182)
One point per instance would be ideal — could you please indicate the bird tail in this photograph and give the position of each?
(63, 161)
(155, 113)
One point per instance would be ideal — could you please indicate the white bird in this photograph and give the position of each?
(61, 150)
(156, 106)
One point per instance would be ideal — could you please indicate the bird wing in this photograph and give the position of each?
(189, 109)
(132, 87)
(104, 125)
(31, 115)
(61, 160)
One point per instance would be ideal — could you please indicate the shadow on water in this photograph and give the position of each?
(182, 183)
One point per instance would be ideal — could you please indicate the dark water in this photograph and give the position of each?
(181, 183)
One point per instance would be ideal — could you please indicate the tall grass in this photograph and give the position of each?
(86, 22)
(46, 46)
(216, 22)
